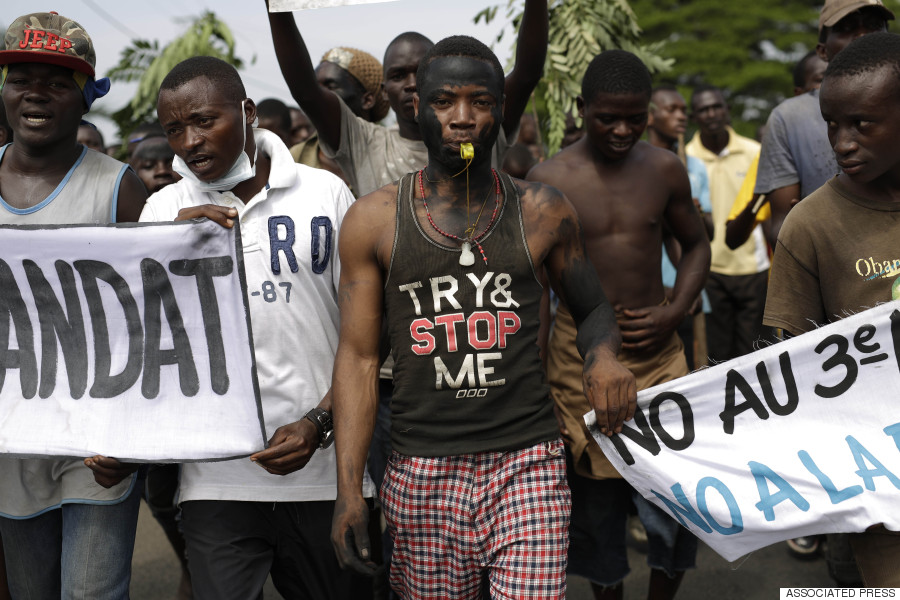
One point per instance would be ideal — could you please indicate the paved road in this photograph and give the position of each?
(758, 577)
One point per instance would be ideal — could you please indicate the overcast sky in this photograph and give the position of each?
(113, 24)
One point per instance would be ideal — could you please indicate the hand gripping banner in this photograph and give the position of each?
(800, 438)
(131, 341)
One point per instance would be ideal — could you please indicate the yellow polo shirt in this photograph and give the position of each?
(745, 196)
(727, 172)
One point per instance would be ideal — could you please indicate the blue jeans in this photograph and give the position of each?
(75, 552)
(597, 531)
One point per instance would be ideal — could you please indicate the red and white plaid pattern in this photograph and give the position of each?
(455, 517)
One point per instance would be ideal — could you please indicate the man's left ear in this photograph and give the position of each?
(416, 106)
(368, 100)
(250, 110)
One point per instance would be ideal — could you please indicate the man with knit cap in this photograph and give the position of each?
(65, 535)
(355, 76)
(371, 155)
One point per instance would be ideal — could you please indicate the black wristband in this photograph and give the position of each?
(324, 425)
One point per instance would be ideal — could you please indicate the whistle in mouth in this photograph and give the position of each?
(466, 151)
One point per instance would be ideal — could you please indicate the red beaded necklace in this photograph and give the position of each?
(466, 258)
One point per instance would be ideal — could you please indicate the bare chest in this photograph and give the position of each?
(635, 209)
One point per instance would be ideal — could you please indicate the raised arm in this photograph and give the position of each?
(322, 106)
(354, 382)
(531, 51)
(609, 387)
(739, 229)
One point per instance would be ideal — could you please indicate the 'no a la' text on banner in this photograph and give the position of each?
(796, 439)
(289, 5)
(131, 341)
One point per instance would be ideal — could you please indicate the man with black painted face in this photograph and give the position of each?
(451, 256)
(626, 193)
(370, 155)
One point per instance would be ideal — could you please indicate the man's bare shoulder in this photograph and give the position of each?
(371, 219)
(537, 194)
(563, 164)
(545, 209)
(382, 201)
(547, 214)
(654, 157)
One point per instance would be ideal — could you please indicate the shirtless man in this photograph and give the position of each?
(625, 192)
(430, 252)
(666, 125)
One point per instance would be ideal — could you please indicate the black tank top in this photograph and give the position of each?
(467, 372)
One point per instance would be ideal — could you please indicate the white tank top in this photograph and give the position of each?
(87, 194)
(28, 487)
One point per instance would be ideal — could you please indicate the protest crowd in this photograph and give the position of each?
(424, 372)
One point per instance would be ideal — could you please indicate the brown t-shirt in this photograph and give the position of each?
(837, 254)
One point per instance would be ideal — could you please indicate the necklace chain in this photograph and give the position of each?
(471, 229)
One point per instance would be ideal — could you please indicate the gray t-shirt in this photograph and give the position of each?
(371, 155)
(795, 148)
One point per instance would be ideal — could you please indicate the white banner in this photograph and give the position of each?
(289, 5)
(131, 341)
(797, 439)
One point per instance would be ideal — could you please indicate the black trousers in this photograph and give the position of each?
(233, 546)
(735, 322)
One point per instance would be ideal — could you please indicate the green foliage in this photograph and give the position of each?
(579, 30)
(746, 48)
(145, 62)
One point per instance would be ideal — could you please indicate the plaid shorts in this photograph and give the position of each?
(500, 516)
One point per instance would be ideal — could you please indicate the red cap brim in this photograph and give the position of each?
(8, 57)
